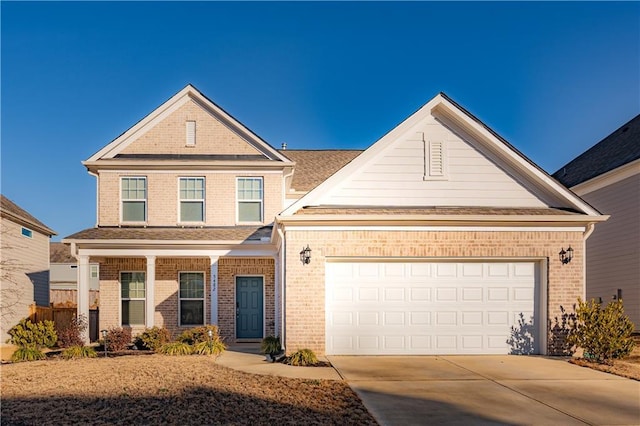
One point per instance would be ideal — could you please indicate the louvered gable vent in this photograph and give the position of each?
(435, 160)
(191, 133)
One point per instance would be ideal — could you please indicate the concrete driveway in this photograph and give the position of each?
(463, 390)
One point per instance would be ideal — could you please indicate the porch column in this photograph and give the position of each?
(214, 289)
(276, 283)
(83, 292)
(151, 287)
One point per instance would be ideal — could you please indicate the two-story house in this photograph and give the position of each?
(24, 264)
(438, 238)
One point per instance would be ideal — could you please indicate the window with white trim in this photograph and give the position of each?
(27, 232)
(134, 199)
(191, 295)
(191, 199)
(94, 271)
(250, 199)
(133, 295)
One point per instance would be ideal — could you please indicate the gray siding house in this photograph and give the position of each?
(608, 177)
(24, 261)
(64, 278)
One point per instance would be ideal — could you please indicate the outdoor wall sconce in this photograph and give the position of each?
(305, 255)
(566, 256)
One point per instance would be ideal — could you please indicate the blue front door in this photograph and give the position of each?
(249, 308)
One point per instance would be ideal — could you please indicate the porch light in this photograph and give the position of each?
(104, 340)
(305, 255)
(566, 256)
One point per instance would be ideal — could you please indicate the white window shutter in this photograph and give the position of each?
(191, 133)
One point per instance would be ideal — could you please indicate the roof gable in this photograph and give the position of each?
(16, 214)
(163, 133)
(473, 167)
(616, 150)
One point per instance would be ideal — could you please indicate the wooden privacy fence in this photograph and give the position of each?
(62, 317)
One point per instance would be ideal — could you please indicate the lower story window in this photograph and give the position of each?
(191, 298)
(133, 295)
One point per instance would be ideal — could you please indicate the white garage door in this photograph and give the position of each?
(431, 308)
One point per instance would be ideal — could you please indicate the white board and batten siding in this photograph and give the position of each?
(400, 175)
(431, 308)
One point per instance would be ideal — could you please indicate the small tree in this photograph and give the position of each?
(604, 334)
(31, 338)
(71, 335)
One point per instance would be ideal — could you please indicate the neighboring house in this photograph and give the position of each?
(437, 239)
(64, 278)
(24, 263)
(607, 176)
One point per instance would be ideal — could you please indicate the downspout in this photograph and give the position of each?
(587, 233)
(283, 259)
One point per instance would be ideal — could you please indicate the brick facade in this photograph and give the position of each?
(305, 284)
(166, 290)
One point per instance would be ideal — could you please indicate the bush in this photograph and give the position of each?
(153, 338)
(302, 358)
(270, 345)
(214, 348)
(196, 335)
(75, 352)
(604, 334)
(118, 339)
(27, 354)
(26, 334)
(71, 335)
(176, 348)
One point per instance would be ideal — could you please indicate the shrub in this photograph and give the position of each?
(118, 339)
(270, 345)
(196, 335)
(75, 352)
(71, 335)
(27, 354)
(153, 338)
(214, 348)
(302, 358)
(604, 334)
(176, 348)
(26, 334)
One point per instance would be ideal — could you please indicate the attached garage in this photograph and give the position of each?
(399, 307)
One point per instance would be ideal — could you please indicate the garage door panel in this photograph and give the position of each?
(427, 308)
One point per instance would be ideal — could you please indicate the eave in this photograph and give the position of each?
(95, 166)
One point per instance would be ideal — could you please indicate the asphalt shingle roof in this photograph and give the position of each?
(398, 211)
(60, 253)
(315, 166)
(619, 148)
(222, 233)
(8, 207)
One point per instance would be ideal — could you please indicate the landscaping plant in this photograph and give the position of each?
(31, 338)
(215, 348)
(153, 338)
(118, 339)
(176, 349)
(71, 335)
(604, 334)
(75, 352)
(270, 345)
(196, 335)
(302, 358)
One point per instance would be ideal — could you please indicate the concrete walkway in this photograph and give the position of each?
(247, 357)
(464, 390)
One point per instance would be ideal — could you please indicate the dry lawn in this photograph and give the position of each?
(628, 367)
(158, 389)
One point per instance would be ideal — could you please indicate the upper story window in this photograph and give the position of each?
(191, 133)
(27, 233)
(192, 199)
(134, 199)
(250, 199)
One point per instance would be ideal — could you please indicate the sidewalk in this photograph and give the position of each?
(247, 357)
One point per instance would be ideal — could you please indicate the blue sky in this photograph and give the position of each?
(552, 78)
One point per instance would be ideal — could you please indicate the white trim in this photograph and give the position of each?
(197, 172)
(150, 292)
(27, 234)
(609, 178)
(204, 299)
(441, 228)
(262, 190)
(203, 200)
(213, 282)
(105, 252)
(264, 307)
(189, 92)
(83, 291)
(122, 200)
(120, 297)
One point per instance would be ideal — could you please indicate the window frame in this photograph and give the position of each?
(238, 201)
(203, 298)
(145, 200)
(95, 268)
(26, 232)
(202, 200)
(128, 299)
